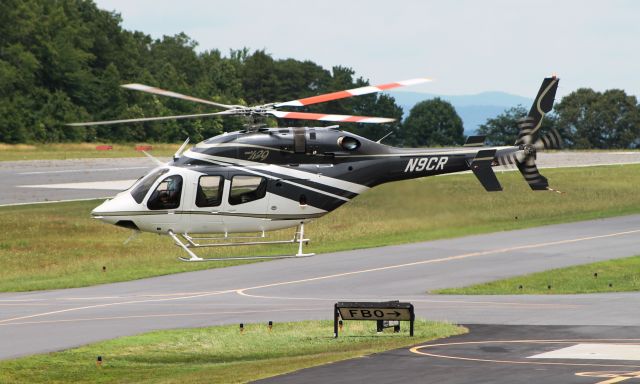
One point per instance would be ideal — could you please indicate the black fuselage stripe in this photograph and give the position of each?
(306, 182)
(311, 184)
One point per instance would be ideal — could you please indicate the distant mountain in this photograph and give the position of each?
(473, 109)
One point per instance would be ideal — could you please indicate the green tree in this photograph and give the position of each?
(592, 119)
(432, 122)
(503, 129)
(259, 80)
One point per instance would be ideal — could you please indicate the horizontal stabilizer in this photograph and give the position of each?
(474, 141)
(481, 167)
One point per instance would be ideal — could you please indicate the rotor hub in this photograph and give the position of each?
(529, 149)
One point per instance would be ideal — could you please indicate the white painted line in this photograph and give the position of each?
(594, 351)
(81, 170)
(113, 185)
(55, 201)
(502, 168)
(589, 165)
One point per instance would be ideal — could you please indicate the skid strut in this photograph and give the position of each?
(227, 241)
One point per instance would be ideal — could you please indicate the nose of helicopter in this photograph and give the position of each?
(113, 210)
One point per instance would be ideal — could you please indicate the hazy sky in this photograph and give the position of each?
(465, 46)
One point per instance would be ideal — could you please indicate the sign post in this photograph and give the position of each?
(378, 311)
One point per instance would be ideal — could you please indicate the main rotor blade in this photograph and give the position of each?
(327, 117)
(154, 159)
(162, 92)
(350, 93)
(141, 119)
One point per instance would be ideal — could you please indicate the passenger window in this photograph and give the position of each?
(247, 188)
(209, 192)
(167, 194)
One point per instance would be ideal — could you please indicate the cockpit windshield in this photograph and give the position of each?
(133, 184)
(140, 191)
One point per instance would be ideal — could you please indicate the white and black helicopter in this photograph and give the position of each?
(264, 179)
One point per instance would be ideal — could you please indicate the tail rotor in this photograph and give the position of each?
(529, 143)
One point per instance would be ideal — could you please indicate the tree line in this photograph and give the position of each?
(584, 118)
(63, 61)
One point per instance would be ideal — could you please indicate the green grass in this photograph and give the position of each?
(215, 354)
(58, 246)
(13, 152)
(619, 275)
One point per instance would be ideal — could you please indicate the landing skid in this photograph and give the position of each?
(245, 258)
(227, 241)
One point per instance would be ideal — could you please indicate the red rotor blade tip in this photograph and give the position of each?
(351, 92)
(329, 117)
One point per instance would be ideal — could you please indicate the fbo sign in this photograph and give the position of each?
(379, 311)
(374, 313)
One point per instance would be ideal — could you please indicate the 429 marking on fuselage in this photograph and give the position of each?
(257, 155)
(420, 164)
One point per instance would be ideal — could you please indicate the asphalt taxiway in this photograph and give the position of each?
(496, 354)
(60, 180)
(298, 289)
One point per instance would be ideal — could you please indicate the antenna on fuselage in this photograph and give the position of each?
(384, 137)
(176, 156)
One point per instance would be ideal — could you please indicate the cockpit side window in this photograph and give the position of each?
(247, 188)
(140, 191)
(167, 194)
(209, 192)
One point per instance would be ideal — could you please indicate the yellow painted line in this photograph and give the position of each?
(20, 300)
(111, 304)
(418, 350)
(24, 304)
(100, 297)
(125, 297)
(614, 377)
(444, 259)
(455, 302)
(161, 315)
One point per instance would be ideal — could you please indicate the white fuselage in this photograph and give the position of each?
(268, 213)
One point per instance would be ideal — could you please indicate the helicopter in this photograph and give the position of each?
(263, 179)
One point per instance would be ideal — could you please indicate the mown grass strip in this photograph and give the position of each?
(59, 246)
(15, 152)
(619, 275)
(215, 354)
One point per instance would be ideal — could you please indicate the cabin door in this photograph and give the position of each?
(205, 204)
